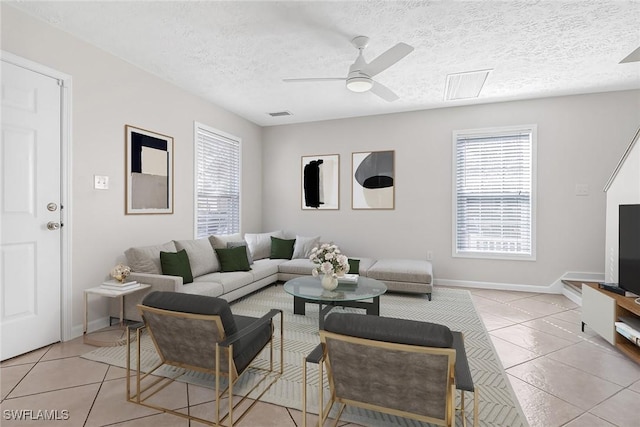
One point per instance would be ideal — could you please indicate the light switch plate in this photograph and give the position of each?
(101, 182)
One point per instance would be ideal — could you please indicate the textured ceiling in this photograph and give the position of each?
(236, 54)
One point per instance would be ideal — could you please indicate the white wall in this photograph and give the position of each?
(580, 139)
(625, 189)
(107, 94)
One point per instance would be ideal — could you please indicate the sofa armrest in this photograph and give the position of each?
(158, 282)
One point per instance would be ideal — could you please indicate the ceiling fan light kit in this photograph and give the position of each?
(359, 79)
(359, 84)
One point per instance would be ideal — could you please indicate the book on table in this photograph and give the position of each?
(120, 287)
(348, 278)
(114, 282)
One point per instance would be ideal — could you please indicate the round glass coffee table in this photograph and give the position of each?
(307, 289)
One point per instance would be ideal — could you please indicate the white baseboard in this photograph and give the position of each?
(551, 289)
(94, 325)
(572, 296)
(579, 276)
(557, 287)
(587, 277)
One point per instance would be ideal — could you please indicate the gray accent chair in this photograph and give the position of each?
(199, 333)
(400, 367)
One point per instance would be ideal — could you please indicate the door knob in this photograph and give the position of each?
(53, 225)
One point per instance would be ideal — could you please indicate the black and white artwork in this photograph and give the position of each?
(149, 172)
(320, 182)
(373, 184)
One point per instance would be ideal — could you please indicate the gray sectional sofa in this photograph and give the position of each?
(210, 277)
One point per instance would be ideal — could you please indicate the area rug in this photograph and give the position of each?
(498, 405)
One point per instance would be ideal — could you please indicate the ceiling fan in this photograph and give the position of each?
(361, 72)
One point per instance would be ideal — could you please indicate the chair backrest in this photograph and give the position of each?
(186, 328)
(397, 366)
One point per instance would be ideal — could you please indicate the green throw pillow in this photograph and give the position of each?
(354, 266)
(243, 243)
(176, 264)
(233, 259)
(281, 248)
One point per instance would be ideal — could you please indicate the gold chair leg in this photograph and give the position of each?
(475, 406)
(320, 394)
(304, 391)
(462, 411)
(217, 384)
(342, 406)
(231, 381)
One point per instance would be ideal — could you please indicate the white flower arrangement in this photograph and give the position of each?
(120, 272)
(330, 261)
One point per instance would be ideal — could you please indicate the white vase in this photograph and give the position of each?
(329, 282)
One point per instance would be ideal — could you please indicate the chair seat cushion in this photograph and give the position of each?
(400, 331)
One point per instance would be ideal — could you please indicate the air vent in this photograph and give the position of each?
(465, 85)
(280, 114)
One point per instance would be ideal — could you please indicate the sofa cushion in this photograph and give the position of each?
(229, 281)
(303, 246)
(243, 244)
(219, 241)
(301, 266)
(281, 248)
(176, 264)
(233, 259)
(401, 270)
(146, 259)
(203, 287)
(202, 258)
(260, 243)
(264, 268)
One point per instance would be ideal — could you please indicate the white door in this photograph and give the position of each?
(30, 237)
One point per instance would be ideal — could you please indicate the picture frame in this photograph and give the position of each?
(148, 172)
(373, 180)
(320, 182)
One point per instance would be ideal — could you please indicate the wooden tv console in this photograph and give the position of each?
(601, 309)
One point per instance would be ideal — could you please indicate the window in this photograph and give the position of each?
(494, 200)
(217, 182)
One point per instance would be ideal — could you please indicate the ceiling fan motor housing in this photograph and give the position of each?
(357, 81)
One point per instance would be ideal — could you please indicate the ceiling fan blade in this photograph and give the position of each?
(387, 59)
(384, 92)
(315, 79)
(632, 57)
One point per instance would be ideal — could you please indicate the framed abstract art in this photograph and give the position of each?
(149, 172)
(373, 180)
(321, 182)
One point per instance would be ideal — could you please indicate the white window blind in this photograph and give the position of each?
(217, 182)
(494, 193)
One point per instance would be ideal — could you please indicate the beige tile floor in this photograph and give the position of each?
(561, 376)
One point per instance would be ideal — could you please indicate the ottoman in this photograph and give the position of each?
(404, 275)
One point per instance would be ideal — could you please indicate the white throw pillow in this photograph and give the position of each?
(260, 243)
(202, 258)
(146, 259)
(219, 241)
(303, 246)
